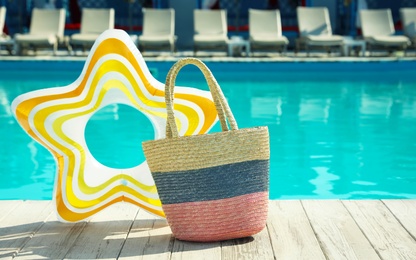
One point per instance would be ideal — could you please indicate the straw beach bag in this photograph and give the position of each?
(214, 186)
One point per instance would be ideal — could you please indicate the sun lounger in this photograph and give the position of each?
(2, 19)
(408, 17)
(378, 30)
(93, 23)
(265, 30)
(158, 29)
(315, 29)
(210, 30)
(46, 30)
(5, 39)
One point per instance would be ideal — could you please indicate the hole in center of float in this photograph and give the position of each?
(114, 136)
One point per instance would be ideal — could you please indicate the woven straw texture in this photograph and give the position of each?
(213, 187)
(201, 151)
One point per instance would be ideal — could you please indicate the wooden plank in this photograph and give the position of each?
(149, 238)
(405, 212)
(256, 247)
(20, 224)
(53, 240)
(383, 230)
(30, 231)
(337, 232)
(6, 206)
(291, 234)
(105, 234)
(185, 250)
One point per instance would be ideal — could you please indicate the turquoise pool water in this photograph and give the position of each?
(337, 130)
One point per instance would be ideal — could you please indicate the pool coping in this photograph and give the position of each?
(221, 57)
(61, 63)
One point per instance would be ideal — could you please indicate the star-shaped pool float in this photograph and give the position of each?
(114, 73)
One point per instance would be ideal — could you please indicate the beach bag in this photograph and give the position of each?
(214, 186)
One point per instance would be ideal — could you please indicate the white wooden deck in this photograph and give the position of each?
(306, 229)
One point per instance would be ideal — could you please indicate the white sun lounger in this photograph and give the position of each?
(378, 30)
(93, 23)
(265, 30)
(210, 30)
(408, 17)
(5, 39)
(46, 30)
(2, 19)
(315, 29)
(158, 29)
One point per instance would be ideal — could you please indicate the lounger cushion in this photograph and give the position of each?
(324, 40)
(210, 39)
(35, 39)
(268, 39)
(155, 39)
(389, 40)
(6, 40)
(4, 37)
(87, 38)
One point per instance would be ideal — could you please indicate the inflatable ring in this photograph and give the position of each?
(114, 73)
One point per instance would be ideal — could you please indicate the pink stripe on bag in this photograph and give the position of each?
(217, 220)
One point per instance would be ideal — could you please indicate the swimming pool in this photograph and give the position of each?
(337, 129)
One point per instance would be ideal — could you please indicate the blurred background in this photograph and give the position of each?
(128, 13)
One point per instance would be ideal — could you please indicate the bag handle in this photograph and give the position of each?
(221, 105)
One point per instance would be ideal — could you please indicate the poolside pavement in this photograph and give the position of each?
(289, 56)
